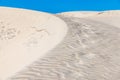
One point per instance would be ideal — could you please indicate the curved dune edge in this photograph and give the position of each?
(25, 36)
(88, 51)
(111, 17)
(61, 52)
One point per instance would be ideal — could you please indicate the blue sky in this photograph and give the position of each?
(55, 6)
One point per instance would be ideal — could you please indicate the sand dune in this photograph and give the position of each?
(26, 36)
(88, 52)
(79, 14)
(111, 17)
(77, 45)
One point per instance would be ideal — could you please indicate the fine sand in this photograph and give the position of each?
(111, 17)
(79, 14)
(76, 45)
(25, 36)
(90, 51)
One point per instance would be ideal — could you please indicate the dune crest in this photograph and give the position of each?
(25, 36)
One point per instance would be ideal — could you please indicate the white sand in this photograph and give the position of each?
(111, 17)
(108, 17)
(25, 36)
(79, 14)
(90, 51)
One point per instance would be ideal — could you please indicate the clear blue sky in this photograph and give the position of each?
(55, 6)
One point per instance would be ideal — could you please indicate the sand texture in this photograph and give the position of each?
(75, 45)
(25, 36)
(90, 51)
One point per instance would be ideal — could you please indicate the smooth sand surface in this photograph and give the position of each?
(25, 36)
(89, 51)
(79, 14)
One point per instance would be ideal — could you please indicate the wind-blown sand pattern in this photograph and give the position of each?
(90, 51)
(111, 17)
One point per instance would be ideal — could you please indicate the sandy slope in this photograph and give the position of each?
(88, 52)
(39, 46)
(111, 17)
(26, 36)
(108, 17)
